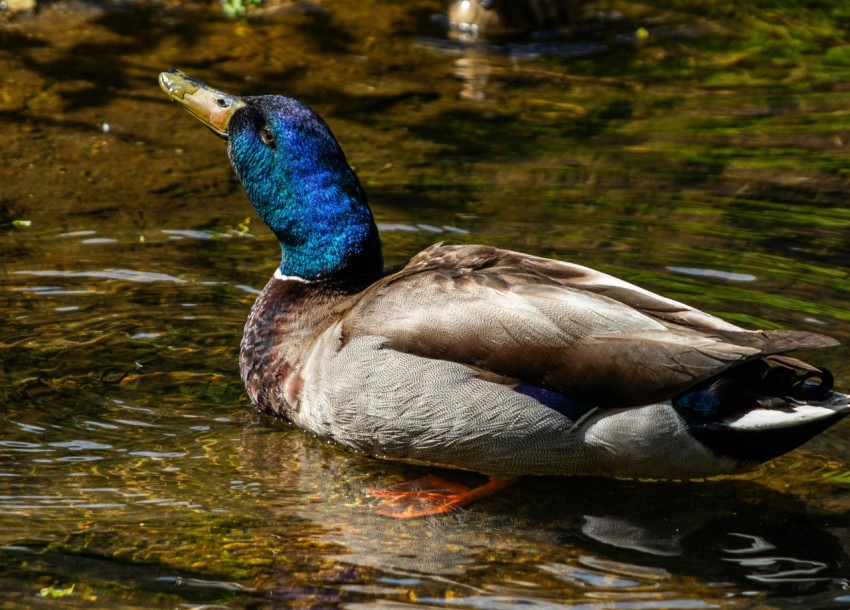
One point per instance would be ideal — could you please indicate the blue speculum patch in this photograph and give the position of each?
(554, 400)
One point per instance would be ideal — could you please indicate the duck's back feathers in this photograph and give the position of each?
(595, 338)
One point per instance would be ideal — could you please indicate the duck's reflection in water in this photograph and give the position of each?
(608, 538)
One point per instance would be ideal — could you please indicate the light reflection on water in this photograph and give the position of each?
(131, 465)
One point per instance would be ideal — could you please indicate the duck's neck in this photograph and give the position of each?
(348, 246)
(324, 225)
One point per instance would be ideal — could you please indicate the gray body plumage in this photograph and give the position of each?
(421, 366)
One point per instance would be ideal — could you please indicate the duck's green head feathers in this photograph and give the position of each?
(296, 177)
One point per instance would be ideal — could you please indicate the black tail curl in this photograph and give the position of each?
(771, 383)
(782, 382)
(777, 382)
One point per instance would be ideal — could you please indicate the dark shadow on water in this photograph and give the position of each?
(718, 531)
(137, 29)
(37, 562)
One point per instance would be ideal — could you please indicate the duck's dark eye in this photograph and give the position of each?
(267, 137)
(222, 103)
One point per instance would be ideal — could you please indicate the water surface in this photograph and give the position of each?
(707, 160)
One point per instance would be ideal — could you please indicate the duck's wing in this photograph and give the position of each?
(595, 338)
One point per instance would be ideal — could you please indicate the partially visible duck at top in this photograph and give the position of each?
(472, 20)
(477, 358)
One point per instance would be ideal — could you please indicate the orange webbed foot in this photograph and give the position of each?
(431, 495)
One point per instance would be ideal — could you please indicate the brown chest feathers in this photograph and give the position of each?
(284, 320)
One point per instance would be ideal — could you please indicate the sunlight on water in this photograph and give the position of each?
(697, 152)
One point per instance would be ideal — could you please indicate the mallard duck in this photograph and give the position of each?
(477, 358)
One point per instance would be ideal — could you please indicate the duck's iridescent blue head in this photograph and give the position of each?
(296, 177)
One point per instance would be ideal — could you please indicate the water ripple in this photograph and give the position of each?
(128, 275)
(714, 273)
